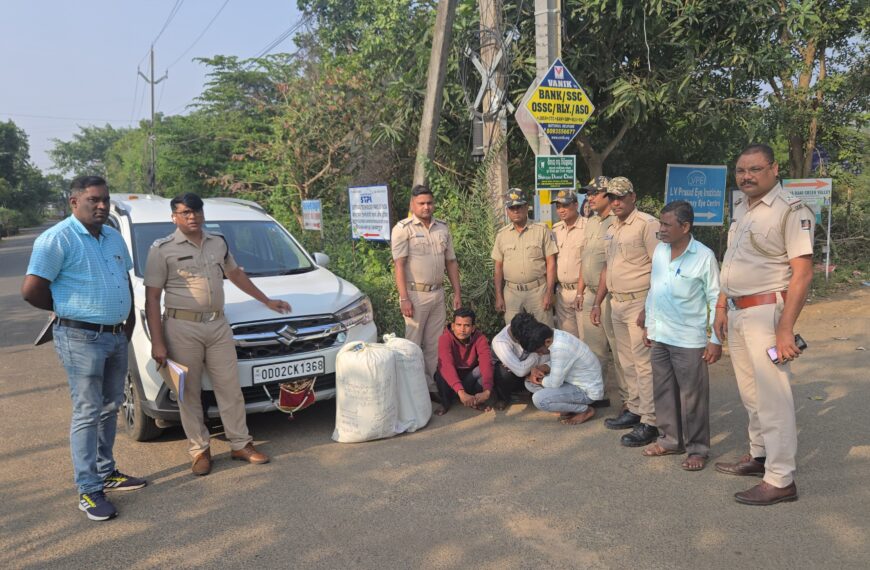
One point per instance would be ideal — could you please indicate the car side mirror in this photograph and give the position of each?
(321, 259)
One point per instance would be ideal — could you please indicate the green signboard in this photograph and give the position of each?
(555, 172)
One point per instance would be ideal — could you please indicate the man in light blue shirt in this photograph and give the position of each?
(572, 381)
(79, 269)
(684, 288)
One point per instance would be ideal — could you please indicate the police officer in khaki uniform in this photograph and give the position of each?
(422, 250)
(189, 266)
(599, 338)
(765, 277)
(626, 276)
(525, 263)
(569, 232)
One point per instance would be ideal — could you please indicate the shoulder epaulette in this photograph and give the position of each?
(405, 222)
(163, 240)
(558, 224)
(507, 227)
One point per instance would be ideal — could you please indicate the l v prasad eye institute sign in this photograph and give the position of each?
(560, 106)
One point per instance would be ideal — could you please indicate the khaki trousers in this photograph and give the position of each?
(602, 342)
(208, 346)
(765, 390)
(634, 358)
(531, 301)
(568, 318)
(424, 328)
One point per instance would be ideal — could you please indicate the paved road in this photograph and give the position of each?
(507, 490)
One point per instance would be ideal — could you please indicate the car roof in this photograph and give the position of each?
(148, 208)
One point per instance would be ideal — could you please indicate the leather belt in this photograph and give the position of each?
(526, 286)
(114, 329)
(423, 287)
(622, 297)
(193, 316)
(736, 303)
(568, 286)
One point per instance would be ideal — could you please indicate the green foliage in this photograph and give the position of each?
(86, 154)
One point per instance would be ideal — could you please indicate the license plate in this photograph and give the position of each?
(290, 369)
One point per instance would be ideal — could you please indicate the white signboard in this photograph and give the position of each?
(369, 213)
(312, 215)
(814, 192)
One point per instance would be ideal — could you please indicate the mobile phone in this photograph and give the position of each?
(798, 341)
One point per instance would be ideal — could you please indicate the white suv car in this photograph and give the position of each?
(271, 348)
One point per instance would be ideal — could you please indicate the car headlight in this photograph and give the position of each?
(357, 313)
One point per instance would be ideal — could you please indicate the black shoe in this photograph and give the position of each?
(642, 434)
(625, 420)
(605, 403)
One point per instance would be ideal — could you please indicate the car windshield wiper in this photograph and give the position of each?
(280, 272)
(296, 270)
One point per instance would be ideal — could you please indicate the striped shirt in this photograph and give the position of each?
(89, 276)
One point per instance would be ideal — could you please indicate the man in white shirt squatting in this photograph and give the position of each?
(571, 382)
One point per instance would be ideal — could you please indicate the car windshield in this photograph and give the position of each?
(261, 248)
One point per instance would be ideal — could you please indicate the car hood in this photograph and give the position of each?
(317, 292)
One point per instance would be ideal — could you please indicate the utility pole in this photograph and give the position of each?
(548, 47)
(495, 126)
(434, 87)
(152, 136)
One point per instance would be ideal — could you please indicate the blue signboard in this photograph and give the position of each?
(702, 186)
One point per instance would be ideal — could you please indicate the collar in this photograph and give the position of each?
(525, 227)
(768, 198)
(691, 248)
(631, 217)
(415, 220)
(81, 229)
(181, 238)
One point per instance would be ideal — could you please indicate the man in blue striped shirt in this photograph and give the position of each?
(684, 287)
(79, 269)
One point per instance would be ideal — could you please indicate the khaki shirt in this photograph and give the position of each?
(524, 254)
(592, 254)
(570, 240)
(428, 249)
(761, 241)
(191, 276)
(629, 252)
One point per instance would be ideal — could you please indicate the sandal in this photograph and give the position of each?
(656, 450)
(694, 462)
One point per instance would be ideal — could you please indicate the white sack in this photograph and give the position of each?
(414, 405)
(365, 393)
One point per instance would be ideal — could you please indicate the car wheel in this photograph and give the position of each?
(138, 425)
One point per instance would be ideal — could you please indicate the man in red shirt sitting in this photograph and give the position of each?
(464, 364)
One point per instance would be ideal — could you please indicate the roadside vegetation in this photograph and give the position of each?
(672, 81)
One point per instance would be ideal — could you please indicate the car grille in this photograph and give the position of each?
(286, 337)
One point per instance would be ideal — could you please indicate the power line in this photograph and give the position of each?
(283, 36)
(135, 96)
(201, 34)
(172, 13)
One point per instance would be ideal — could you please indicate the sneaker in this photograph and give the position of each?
(96, 506)
(117, 481)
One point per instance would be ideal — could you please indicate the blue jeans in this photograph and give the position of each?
(567, 398)
(96, 364)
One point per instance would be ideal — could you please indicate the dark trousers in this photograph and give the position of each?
(470, 384)
(506, 382)
(681, 388)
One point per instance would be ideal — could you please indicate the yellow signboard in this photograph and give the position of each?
(560, 106)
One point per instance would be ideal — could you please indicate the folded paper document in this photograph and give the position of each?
(173, 374)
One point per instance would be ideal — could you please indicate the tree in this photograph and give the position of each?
(817, 68)
(86, 153)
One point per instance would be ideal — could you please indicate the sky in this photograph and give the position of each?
(71, 63)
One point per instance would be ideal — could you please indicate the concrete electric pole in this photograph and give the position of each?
(152, 136)
(434, 88)
(548, 47)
